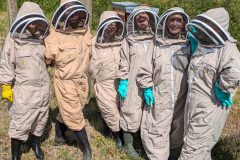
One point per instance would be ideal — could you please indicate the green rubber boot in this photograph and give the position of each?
(128, 140)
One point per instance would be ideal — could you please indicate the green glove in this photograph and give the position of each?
(122, 88)
(148, 96)
(224, 97)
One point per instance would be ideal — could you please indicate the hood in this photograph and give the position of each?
(162, 31)
(109, 21)
(219, 16)
(70, 17)
(29, 13)
(146, 13)
(211, 27)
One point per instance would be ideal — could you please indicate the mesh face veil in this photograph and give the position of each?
(111, 28)
(162, 31)
(209, 32)
(70, 16)
(20, 28)
(137, 18)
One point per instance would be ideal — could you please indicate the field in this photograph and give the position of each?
(103, 147)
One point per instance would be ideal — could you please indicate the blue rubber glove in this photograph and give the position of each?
(224, 97)
(193, 41)
(122, 88)
(148, 96)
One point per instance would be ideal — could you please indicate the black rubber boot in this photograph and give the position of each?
(16, 149)
(37, 148)
(128, 140)
(83, 139)
(60, 137)
(116, 137)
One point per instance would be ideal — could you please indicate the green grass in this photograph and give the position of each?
(104, 148)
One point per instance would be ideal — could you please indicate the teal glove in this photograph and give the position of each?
(224, 97)
(193, 41)
(148, 96)
(122, 88)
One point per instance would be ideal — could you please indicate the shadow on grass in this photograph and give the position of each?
(93, 115)
(227, 149)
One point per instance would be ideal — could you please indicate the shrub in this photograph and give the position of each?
(192, 7)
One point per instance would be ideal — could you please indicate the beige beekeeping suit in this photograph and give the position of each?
(133, 51)
(104, 65)
(23, 66)
(205, 116)
(70, 53)
(165, 71)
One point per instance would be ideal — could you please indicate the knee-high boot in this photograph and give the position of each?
(16, 149)
(128, 140)
(60, 129)
(83, 139)
(37, 147)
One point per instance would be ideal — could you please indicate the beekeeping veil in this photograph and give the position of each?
(107, 19)
(211, 27)
(30, 13)
(152, 17)
(70, 16)
(162, 31)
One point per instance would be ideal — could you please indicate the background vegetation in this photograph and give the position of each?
(103, 147)
(192, 7)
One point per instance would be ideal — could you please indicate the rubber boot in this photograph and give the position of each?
(83, 139)
(116, 137)
(37, 148)
(16, 149)
(128, 140)
(60, 137)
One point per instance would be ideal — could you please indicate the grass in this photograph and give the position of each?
(104, 148)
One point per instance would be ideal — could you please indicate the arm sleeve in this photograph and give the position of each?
(51, 43)
(87, 51)
(145, 72)
(124, 65)
(94, 61)
(7, 62)
(229, 68)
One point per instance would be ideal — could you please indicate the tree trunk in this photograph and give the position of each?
(12, 11)
(88, 4)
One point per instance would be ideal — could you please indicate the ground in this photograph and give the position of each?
(104, 148)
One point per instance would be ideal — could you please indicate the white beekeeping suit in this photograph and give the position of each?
(213, 76)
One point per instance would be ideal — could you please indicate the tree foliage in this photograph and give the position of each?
(192, 7)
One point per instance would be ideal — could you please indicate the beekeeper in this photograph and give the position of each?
(68, 46)
(104, 64)
(141, 25)
(24, 78)
(213, 76)
(163, 77)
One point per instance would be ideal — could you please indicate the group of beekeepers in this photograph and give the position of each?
(170, 77)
